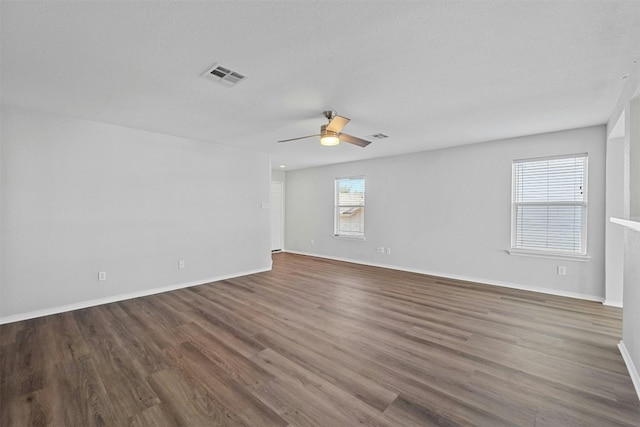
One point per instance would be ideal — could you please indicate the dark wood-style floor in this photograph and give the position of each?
(321, 343)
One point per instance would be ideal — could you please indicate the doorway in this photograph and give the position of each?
(277, 216)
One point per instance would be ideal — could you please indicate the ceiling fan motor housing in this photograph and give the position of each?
(324, 132)
(331, 133)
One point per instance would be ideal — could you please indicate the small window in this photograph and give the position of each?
(549, 205)
(349, 207)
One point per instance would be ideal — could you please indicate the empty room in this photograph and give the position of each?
(320, 213)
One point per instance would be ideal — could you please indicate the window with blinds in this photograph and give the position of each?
(549, 205)
(349, 207)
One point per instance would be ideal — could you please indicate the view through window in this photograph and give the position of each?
(349, 207)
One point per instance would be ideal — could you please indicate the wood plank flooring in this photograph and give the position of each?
(321, 343)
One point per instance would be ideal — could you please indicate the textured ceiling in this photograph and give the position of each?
(428, 74)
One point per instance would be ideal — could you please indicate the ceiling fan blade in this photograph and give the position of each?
(353, 140)
(301, 137)
(337, 123)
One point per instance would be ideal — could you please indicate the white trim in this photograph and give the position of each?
(629, 223)
(122, 297)
(552, 255)
(465, 278)
(541, 159)
(635, 378)
(611, 303)
(346, 237)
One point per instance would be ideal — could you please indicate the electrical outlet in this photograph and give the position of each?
(313, 242)
(102, 275)
(181, 264)
(388, 251)
(562, 270)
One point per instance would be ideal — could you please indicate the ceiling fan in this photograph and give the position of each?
(330, 133)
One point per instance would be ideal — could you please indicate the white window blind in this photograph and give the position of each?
(349, 207)
(549, 205)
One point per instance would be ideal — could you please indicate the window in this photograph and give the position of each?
(349, 207)
(549, 205)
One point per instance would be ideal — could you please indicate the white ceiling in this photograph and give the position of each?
(429, 74)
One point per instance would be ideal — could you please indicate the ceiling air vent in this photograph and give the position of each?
(379, 136)
(224, 75)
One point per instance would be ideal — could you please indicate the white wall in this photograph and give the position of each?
(615, 206)
(448, 212)
(278, 175)
(80, 197)
(628, 107)
(634, 158)
(631, 313)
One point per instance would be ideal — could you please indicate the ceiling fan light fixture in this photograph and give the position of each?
(328, 138)
(329, 141)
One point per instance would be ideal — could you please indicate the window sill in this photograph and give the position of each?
(355, 238)
(550, 255)
(629, 223)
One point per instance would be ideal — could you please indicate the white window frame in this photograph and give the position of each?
(337, 206)
(516, 249)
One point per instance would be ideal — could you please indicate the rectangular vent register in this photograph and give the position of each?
(224, 75)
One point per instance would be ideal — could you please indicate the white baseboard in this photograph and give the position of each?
(121, 297)
(612, 303)
(464, 278)
(633, 372)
